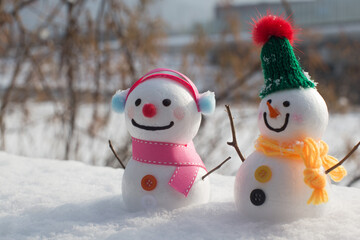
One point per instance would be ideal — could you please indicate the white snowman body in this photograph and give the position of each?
(286, 193)
(176, 120)
(273, 188)
(163, 196)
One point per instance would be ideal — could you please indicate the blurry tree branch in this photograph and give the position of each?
(6, 97)
(239, 82)
(353, 181)
(71, 58)
(288, 10)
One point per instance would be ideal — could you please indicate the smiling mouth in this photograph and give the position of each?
(277, 129)
(152, 128)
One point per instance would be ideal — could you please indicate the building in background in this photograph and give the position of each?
(326, 16)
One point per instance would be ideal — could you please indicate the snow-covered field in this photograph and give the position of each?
(51, 199)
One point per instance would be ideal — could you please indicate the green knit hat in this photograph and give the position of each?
(280, 67)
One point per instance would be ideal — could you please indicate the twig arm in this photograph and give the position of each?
(117, 157)
(344, 159)
(233, 143)
(216, 168)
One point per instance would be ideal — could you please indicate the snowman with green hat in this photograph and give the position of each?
(284, 178)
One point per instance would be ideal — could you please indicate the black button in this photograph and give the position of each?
(257, 197)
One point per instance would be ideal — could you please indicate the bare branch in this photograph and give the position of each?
(344, 159)
(117, 157)
(288, 10)
(5, 100)
(239, 82)
(21, 5)
(234, 141)
(216, 168)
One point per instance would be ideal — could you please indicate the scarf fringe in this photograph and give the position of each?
(318, 196)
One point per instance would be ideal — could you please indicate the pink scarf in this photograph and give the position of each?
(184, 157)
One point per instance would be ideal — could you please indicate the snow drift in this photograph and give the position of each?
(49, 199)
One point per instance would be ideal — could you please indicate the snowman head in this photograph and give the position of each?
(291, 108)
(291, 115)
(163, 107)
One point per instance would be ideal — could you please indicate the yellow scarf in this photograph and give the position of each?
(314, 155)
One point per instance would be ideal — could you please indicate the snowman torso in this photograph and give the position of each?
(268, 188)
(137, 196)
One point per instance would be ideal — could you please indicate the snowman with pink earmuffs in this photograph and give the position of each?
(163, 114)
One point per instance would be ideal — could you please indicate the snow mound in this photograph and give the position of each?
(49, 199)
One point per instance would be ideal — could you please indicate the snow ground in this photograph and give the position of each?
(50, 199)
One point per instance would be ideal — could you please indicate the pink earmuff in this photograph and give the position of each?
(183, 80)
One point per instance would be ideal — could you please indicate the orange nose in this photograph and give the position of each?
(273, 111)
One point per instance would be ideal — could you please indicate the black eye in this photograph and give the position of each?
(269, 101)
(286, 103)
(138, 102)
(166, 102)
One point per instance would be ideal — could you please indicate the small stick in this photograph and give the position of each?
(117, 157)
(234, 141)
(343, 160)
(216, 168)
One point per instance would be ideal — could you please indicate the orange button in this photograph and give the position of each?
(263, 174)
(148, 183)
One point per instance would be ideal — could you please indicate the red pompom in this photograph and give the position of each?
(272, 25)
